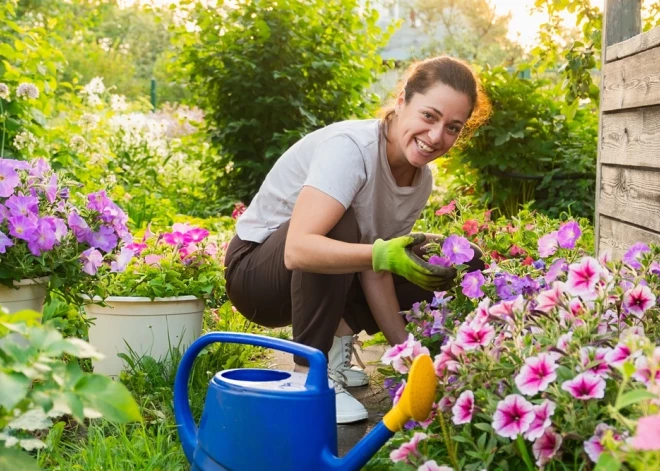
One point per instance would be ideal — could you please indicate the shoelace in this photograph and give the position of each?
(354, 353)
(338, 380)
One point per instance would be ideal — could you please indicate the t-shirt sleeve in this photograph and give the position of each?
(338, 169)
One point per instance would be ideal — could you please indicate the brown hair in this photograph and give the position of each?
(423, 75)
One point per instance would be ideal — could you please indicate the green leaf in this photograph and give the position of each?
(13, 459)
(633, 397)
(607, 462)
(110, 398)
(13, 389)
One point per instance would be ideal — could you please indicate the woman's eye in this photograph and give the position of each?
(427, 115)
(454, 129)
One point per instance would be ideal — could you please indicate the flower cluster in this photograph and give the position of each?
(183, 261)
(42, 232)
(553, 361)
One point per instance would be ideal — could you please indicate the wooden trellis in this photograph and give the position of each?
(628, 171)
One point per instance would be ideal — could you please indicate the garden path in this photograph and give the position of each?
(373, 396)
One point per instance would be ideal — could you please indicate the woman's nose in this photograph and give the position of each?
(435, 133)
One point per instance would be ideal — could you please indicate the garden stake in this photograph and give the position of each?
(257, 419)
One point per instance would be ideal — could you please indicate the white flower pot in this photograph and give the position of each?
(149, 327)
(29, 295)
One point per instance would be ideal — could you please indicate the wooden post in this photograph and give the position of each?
(622, 19)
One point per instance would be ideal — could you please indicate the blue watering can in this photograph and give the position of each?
(259, 419)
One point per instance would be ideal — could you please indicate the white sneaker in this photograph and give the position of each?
(339, 360)
(349, 409)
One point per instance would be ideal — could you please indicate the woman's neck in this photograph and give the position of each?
(402, 171)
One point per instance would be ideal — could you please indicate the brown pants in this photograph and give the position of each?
(266, 293)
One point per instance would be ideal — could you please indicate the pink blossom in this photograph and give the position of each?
(548, 244)
(152, 259)
(546, 447)
(643, 371)
(188, 250)
(515, 251)
(446, 209)
(583, 276)
(239, 209)
(397, 354)
(568, 234)
(557, 267)
(585, 386)
(182, 227)
(590, 355)
(136, 247)
(647, 436)
(470, 338)
(198, 234)
(433, 466)
(508, 308)
(123, 258)
(549, 299)
(513, 416)
(639, 299)
(462, 410)
(446, 403)
(618, 355)
(594, 446)
(541, 422)
(564, 340)
(471, 227)
(634, 253)
(399, 392)
(91, 260)
(447, 359)
(536, 374)
(177, 238)
(9, 179)
(401, 454)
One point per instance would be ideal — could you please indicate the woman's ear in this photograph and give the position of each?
(400, 102)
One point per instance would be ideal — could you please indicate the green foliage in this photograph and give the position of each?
(529, 150)
(37, 385)
(270, 75)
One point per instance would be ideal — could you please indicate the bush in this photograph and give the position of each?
(270, 75)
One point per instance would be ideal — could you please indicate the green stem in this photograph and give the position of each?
(448, 444)
(523, 451)
(4, 130)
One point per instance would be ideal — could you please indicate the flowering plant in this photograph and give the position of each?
(43, 233)
(551, 364)
(177, 263)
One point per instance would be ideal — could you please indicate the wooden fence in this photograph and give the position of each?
(628, 170)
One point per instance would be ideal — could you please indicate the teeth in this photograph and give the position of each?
(423, 146)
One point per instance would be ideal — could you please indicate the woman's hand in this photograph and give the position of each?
(397, 256)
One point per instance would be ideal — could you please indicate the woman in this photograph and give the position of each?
(325, 244)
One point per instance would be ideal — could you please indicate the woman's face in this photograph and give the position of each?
(428, 126)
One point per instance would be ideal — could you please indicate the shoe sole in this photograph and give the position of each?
(357, 385)
(352, 417)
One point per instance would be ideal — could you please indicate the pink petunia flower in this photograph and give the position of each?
(541, 422)
(548, 244)
(508, 308)
(647, 436)
(585, 386)
(471, 227)
(152, 259)
(463, 409)
(433, 466)
(446, 403)
(513, 416)
(639, 299)
(590, 355)
(536, 374)
(119, 265)
(397, 354)
(568, 234)
(546, 447)
(557, 267)
(401, 454)
(618, 355)
(446, 209)
(198, 234)
(594, 446)
(469, 337)
(564, 340)
(177, 238)
(583, 276)
(457, 249)
(515, 251)
(549, 299)
(398, 393)
(643, 371)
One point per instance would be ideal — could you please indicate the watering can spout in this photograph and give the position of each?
(416, 403)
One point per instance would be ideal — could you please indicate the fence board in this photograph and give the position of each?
(631, 195)
(634, 45)
(632, 82)
(632, 138)
(617, 236)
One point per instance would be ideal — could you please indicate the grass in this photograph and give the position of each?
(153, 444)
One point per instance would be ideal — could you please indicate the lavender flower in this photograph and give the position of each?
(472, 283)
(631, 257)
(457, 249)
(4, 242)
(8, 179)
(568, 234)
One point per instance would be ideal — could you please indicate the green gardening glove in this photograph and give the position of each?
(396, 256)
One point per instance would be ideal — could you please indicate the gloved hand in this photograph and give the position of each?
(396, 256)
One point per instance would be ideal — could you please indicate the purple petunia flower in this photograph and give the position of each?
(19, 205)
(4, 213)
(538, 264)
(4, 242)
(438, 260)
(42, 238)
(103, 239)
(457, 249)
(508, 286)
(22, 227)
(79, 227)
(58, 226)
(472, 283)
(91, 260)
(631, 257)
(558, 267)
(9, 179)
(39, 167)
(51, 188)
(568, 234)
(123, 258)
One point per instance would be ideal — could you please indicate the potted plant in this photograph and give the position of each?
(44, 235)
(151, 299)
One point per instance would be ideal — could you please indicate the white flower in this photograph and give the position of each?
(78, 143)
(4, 91)
(118, 102)
(27, 90)
(95, 86)
(89, 120)
(25, 140)
(93, 100)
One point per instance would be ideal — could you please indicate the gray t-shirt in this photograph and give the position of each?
(345, 161)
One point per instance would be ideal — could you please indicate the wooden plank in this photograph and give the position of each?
(634, 45)
(632, 82)
(631, 138)
(631, 195)
(617, 236)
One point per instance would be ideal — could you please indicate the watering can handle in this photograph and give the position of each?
(317, 378)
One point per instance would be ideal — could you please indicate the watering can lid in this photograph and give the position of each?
(263, 380)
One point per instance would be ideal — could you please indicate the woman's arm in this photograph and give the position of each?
(307, 247)
(379, 290)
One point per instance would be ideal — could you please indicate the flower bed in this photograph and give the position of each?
(545, 360)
